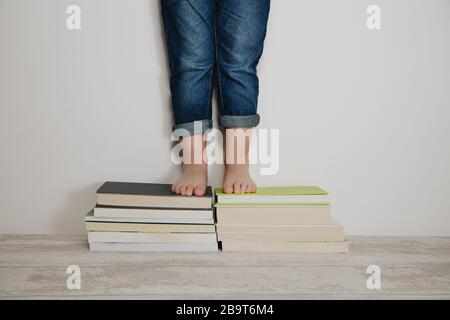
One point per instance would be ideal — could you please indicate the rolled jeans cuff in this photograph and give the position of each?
(249, 121)
(190, 128)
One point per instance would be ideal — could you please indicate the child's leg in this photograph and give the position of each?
(189, 27)
(194, 178)
(240, 33)
(237, 178)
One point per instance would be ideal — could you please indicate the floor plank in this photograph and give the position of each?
(35, 267)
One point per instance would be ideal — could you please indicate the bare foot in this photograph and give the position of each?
(237, 145)
(193, 180)
(237, 179)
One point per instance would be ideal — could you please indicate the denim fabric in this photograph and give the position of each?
(214, 43)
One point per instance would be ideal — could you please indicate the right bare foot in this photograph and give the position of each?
(193, 180)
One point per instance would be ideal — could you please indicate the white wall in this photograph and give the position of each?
(364, 114)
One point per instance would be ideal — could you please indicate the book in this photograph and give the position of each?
(139, 237)
(153, 247)
(149, 227)
(134, 194)
(148, 217)
(277, 233)
(297, 195)
(273, 215)
(278, 237)
(268, 229)
(299, 247)
(91, 218)
(153, 213)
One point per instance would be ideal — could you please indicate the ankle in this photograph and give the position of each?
(195, 167)
(244, 168)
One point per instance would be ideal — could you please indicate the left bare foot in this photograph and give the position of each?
(237, 145)
(237, 179)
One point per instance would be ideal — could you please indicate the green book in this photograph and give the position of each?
(276, 196)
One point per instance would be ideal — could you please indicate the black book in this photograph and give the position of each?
(151, 195)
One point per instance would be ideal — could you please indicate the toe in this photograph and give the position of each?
(253, 187)
(183, 190)
(227, 188)
(199, 190)
(248, 188)
(189, 190)
(176, 189)
(237, 188)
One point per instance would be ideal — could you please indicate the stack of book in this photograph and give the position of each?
(278, 219)
(149, 217)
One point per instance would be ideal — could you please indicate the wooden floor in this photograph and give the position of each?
(35, 267)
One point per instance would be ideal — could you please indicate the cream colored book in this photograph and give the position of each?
(153, 247)
(333, 228)
(273, 215)
(279, 237)
(149, 220)
(149, 227)
(140, 237)
(299, 247)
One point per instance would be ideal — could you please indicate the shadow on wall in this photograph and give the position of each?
(164, 79)
(70, 219)
(163, 62)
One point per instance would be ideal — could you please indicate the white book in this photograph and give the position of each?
(153, 247)
(142, 237)
(273, 199)
(91, 218)
(151, 213)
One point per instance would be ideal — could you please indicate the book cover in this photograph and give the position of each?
(280, 191)
(134, 194)
(297, 195)
(145, 189)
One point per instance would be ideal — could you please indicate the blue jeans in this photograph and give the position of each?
(214, 43)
